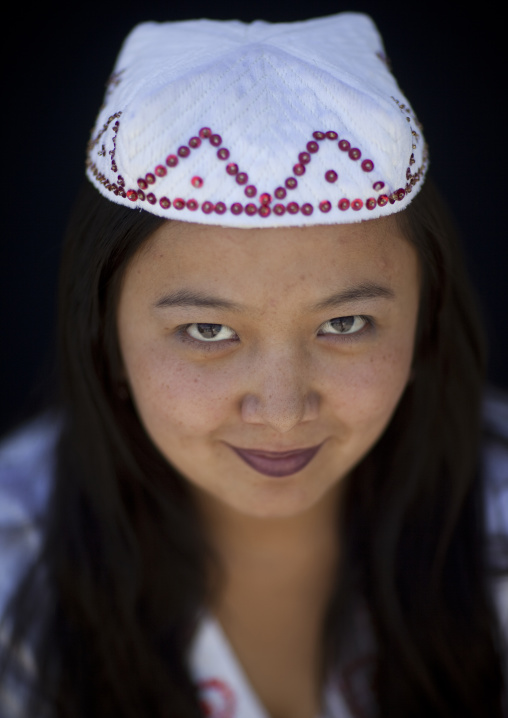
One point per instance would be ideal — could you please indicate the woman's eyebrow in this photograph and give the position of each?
(192, 298)
(366, 290)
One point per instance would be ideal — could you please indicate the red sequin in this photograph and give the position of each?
(324, 206)
(242, 178)
(307, 209)
(250, 191)
(299, 169)
(304, 158)
(141, 195)
(378, 186)
(251, 209)
(207, 207)
(279, 209)
(194, 142)
(165, 203)
(150, 178)
(312, 147)
(132, 195)
(205, 132)
(344, 145)
(216, 141)
(171, 160)
(371, 203)
(382, 200)
(354, 153)
(265, 198)
(367, 165)
(192, 205)
(237, 208)
(264, 210)
(184, 151)
(331, 176)
(280, 193)
(332, 135)
(232, 169)
(318, 136)
(197, 182)
(400, 194)
(343, 204)
(356, 204)
(291, 183)
(220, 208)
(178, 203)
(151, 198)
(142, 184)
(293, 208)
(223, 153)
(160, 171)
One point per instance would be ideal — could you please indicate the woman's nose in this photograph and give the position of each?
(280, 396)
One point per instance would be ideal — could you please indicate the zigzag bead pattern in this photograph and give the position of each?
(264, 207)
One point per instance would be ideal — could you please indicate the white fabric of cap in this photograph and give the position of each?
(253, 96)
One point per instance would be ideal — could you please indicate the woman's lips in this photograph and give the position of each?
(273, 463)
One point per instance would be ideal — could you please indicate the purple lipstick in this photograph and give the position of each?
(277, 463)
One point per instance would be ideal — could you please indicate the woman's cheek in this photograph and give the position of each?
(178, 394)
(368, 388)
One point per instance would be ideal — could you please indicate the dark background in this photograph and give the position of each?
(449, 62)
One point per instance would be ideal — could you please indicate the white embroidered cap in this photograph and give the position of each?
(257, 125)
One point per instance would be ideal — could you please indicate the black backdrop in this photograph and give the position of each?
(450, 62)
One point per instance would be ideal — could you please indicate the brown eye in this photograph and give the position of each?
(344, 325)
(209, 332)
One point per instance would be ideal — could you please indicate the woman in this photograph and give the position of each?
(265, 489)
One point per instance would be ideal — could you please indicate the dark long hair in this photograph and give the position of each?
(123, 570)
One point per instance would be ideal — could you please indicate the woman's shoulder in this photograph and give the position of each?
(494, 461)
(27, 463)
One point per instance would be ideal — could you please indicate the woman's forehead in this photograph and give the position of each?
(237, 263)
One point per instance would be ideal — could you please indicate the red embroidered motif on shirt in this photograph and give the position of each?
(217, 699)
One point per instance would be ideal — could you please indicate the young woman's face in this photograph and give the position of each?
(269, 341)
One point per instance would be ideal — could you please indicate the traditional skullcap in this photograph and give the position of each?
(257, 125)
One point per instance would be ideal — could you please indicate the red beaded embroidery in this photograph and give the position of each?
(241, 178)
